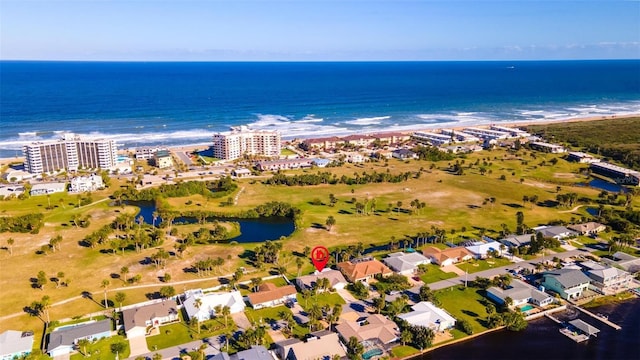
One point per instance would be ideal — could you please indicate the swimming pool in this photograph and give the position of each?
(526, 308)
(371, 353)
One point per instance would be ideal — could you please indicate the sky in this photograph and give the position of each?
(328, 30)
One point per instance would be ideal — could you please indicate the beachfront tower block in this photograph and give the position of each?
(241, 141)
(69, 153)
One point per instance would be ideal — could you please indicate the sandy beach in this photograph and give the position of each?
(190, 148)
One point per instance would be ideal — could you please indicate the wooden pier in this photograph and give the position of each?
(601, 318)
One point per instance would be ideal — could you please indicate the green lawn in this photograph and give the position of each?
(180, 333)
(322, 299)
(268, 315)
(464, 303)
(403, 351)
(434, 274)
(481, 265)
(286, 152)
(101, 349)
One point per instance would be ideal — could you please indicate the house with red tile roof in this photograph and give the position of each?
(270, 295)
(363, 269)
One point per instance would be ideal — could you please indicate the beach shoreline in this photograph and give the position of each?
(418, 127)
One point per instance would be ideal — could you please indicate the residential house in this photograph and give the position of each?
(257, 352)
(547, 147)
(202, 306)
(354, 158)
(140, 320)
(48, 188)
(520, 293)
(321, 163)
(219, 356)
(628, 262)
(606, 280)
(62, 340)
(269, 295)
(404, 154)
(556, 232)
(15, 344)
(428, 315)
(86, 183)
(363, 269)
(405, 263)
(581, 157)
(447, 256)
(375, 328)
(241, 172)
(322, 345)
(569, 283)
(590, 228)
(480, 250)
(162, 159)
(286, 164)
(336, 279)
(517, 240)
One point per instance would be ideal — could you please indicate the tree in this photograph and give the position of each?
(406, 336)
(226, 311)
(41, 279)
(422, 337)
(120, 297)
(167, 291)
(118, 347)
(58, 278)
(255, 283)
(154, 217)
(82, 344)
(123, 272)
(10, 242)
(287, 317)
(464, 326)
(354, 348)
(46, 305)
(426, 294)
(105, 285)
(299, 264)
(330, 222)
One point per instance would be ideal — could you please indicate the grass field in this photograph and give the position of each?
(434, 274)
(452, 203)
(464, 303)
(481, 265)
(101, 349)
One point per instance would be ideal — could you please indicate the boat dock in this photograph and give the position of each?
(576, 330)
(598, 317)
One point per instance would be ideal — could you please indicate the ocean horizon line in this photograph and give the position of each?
(313, 61)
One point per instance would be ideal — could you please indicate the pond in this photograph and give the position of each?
(251, 230)
(605, 185)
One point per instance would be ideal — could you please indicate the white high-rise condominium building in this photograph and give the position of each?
(69, 153)
(234, 144)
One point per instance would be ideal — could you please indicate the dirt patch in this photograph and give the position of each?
(442, 337)
(538, 184)
(565, 175)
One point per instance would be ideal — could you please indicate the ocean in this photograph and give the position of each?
(542, 339)
(178, 103)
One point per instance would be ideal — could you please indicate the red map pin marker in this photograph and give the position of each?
(319, 257)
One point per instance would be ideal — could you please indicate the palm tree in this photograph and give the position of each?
(46, 305)
(255, 283)
(124, 271)
(287, 317)
(406, 336)
(154, 218)
(299, 263)
(120, 297)
(82, 344)
(226, 311)
(10, 242)
(228, 334)
(105, 285)
(330, 222)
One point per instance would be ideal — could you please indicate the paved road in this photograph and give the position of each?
(529, 264)
(184, 158)
(214, 344)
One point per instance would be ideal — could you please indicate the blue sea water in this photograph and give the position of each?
(138, 103)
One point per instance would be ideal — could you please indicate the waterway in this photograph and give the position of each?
(605, 185)
(251, 230)
(543, 341)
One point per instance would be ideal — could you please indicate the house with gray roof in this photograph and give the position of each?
(139, 319)
(516, 240)
(520, 293)
(606, 280)
(63, 339)
(556, 232)
(257, 352)
(336, 279)
(15, 344)
(569, 283)
(405, 263)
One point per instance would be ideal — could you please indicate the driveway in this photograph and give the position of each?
(346, 295)
(138, 346)
(241, 320)
(453, 269)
